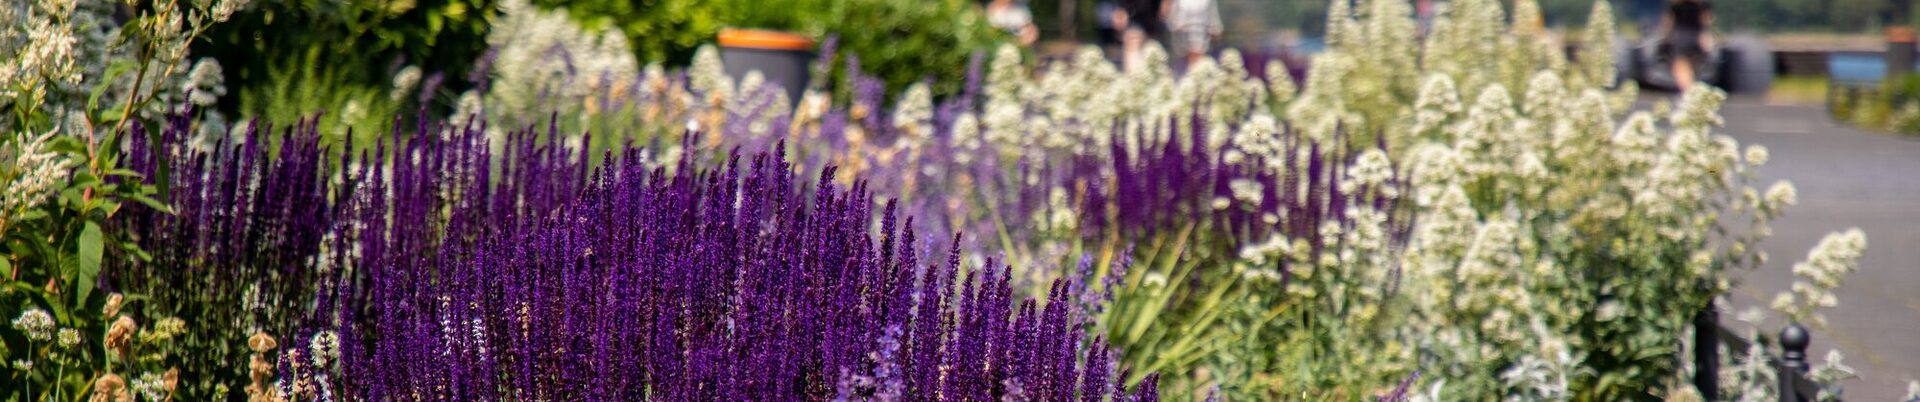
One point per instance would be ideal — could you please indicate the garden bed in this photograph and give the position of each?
(1492, 224)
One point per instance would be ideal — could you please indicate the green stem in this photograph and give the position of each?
(57, 378)
(27, 376)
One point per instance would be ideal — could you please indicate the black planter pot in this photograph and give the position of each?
(783, 58)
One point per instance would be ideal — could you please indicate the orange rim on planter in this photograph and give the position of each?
(758, 39)
(1898, 34)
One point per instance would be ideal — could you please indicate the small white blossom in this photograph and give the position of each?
(1247, 191)
(325, 348)
(69, 337)
(35, 323)
(150, 386)
(1756, 155)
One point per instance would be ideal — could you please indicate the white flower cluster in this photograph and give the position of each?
(32, 171)
(36, 324)
(543, 60)
(1753, 378)
(325, 347)
(1072, 106)
(1543, 375)
(150, 387)
(1824, 270)
(913, 114)
(1829, 374)
(707, 75)
(38, 47)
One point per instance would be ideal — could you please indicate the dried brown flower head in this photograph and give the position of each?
(113, 305)
(171, 380)
(261, 343)
(111, 388)
(120, 335)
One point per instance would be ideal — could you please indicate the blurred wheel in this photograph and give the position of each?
(1746, 66)
(1624, 62)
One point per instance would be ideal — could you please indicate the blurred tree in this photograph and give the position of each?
(358, 43)
(901, 41)
(1063, 19)
(1565, 13)
(1841, 16)
(1859, 13)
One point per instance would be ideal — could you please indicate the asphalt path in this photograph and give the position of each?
(1846, 178)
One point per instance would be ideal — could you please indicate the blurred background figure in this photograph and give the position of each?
(1684, 28)
(1015, 18)
(1194, 24)
(1131, 42)
(1112, 21)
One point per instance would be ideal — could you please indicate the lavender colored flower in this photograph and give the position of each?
(447, 270)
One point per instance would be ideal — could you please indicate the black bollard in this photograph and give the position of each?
(1793, 360)
(1706, 353)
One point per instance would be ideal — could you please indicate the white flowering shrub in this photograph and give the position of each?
(1490, 214)
(77, 77)
(1826, 267)
(1544, 211)
(544, 65)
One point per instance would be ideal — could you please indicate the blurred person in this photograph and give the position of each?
(1423, 12)
(1113, 22)
(1146, 15)
(1132, 42)
(1014, 18)
(1194, 24)
(1684, 27)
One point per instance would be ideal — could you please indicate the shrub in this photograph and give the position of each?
(77, 81)
(355, 44)
(901, 41)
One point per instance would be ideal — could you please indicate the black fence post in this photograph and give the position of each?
(1793, 361)
(1706, 353)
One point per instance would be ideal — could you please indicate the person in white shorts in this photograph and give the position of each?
(1194, 24)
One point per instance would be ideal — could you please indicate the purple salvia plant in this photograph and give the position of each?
(1402, 392)
(534, 274)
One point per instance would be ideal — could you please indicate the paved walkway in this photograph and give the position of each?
(1847, 178)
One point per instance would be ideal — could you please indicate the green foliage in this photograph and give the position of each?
(354, 42)
(61, 162)
(1167, 315)
(305, 87)
(288, 60)
(1892, 107)
(902, 41)
(1803, 15)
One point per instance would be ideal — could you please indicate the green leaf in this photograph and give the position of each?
(90, 249)
(31, 214)
(72, 197)
(151, 203)
(123, 172)
(67, 144)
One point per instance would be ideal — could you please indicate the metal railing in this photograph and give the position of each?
(1791, 365)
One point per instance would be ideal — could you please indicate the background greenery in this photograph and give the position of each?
(901, 41)
(275, 50)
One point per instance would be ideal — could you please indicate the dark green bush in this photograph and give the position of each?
(901, 41)
(359, 44)
(1893, 106)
